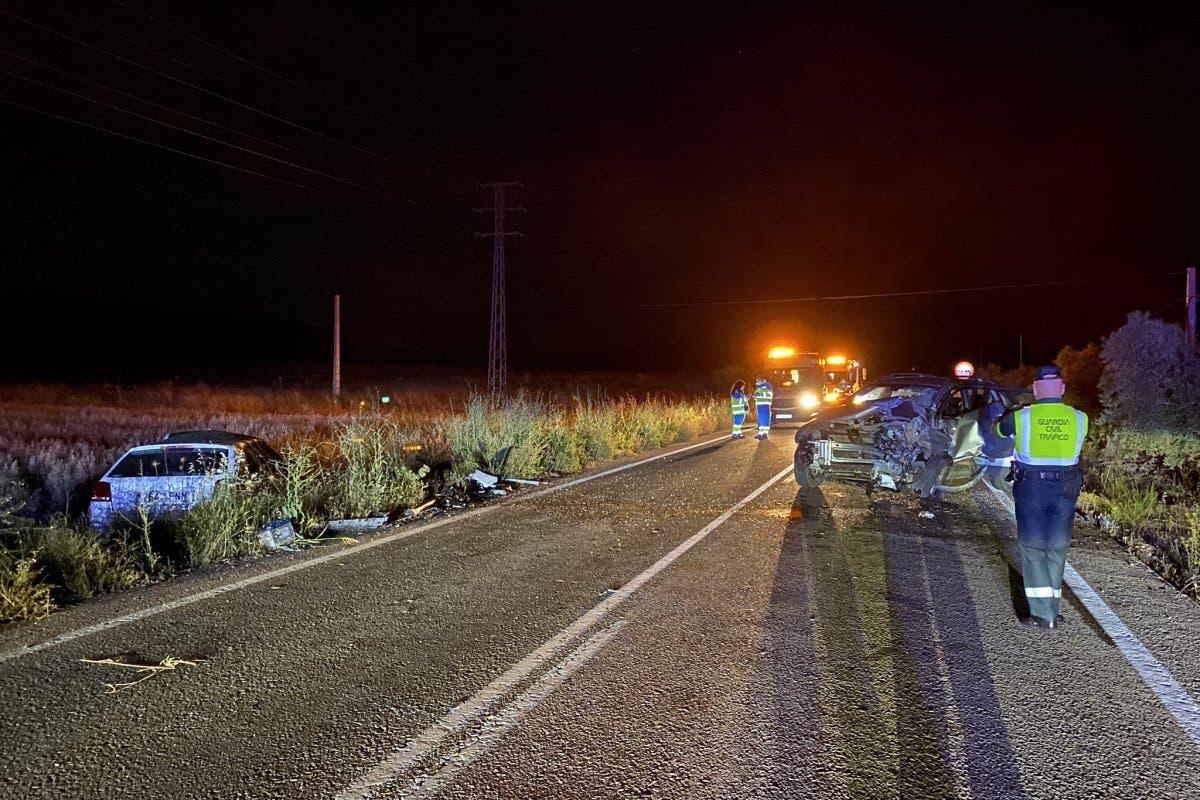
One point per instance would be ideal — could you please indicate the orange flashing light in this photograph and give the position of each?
(836, 360)
(781, 352)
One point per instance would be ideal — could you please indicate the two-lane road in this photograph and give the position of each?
(689, 627)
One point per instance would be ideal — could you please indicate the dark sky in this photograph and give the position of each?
(681, 155)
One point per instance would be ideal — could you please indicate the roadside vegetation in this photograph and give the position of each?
(359, 459)
(1141, 388)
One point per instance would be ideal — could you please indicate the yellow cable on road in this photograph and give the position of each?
(148, 670)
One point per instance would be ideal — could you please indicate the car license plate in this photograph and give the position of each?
(824, 452)
(783, 416)
(173, 499)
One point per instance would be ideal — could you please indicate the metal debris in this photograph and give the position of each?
(277, 534)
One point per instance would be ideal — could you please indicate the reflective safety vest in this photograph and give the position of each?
(739, 403)
(763, 393)
(1049, 435)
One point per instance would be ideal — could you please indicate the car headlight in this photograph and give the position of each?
(809, 401)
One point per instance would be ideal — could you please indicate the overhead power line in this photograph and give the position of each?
(232, 55)
(170, 149)
(199, 135)
(194, 86)
(875, 295)
(148, 101)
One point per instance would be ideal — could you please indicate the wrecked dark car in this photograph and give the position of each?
(909, 430)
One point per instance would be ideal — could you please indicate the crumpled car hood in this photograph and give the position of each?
(895, 443)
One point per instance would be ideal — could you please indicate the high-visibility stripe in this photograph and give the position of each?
(1040, 591)
(1022, 433)
(1083, 425)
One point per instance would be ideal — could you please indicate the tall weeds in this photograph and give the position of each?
(372, 473)
(1130, 505)
(22, 595)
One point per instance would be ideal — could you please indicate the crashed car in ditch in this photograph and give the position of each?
(176, 473)
(909, 430)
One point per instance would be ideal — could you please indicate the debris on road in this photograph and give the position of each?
(483, 479)
(277, 534)
(147, 671)
(364, 524)
(417, 511)
(522, 482)
(925, 515)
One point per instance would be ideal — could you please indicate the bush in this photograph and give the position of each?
(595, 427)
(1191, 548)
(476, 438)
(78, 564)
(1081, 370)
(226, 525)
(1130, 505)
(1167, 462)
(22, 595)
(373, 474)
(562, 448)
(1151, 377)
(300, 487)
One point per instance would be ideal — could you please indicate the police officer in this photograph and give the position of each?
(740, 404)
(1046, 481)
(764, 393)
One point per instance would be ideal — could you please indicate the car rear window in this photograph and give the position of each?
(164, 462)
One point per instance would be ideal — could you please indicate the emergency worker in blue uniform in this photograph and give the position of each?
(740, 404)
(764, 394)
(1046, 481)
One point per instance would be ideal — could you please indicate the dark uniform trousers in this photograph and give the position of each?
(1045, 505)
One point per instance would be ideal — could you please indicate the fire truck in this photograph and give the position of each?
(805, 381)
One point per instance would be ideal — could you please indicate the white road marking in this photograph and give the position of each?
(496, 725)
(1170, 692)
(217, 591)
(408, 758)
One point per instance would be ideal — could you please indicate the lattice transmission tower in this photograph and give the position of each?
(498, 344)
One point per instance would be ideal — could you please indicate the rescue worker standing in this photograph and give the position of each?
(764, 393)
(740, 404)
(1046, 481)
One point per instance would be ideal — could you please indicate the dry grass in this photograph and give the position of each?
(351, 459)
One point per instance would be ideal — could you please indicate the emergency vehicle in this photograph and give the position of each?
(841, 378)
(806, 381)
(798, 382)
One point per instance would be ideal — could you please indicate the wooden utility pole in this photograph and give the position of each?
(337, 347)
(1190, 297)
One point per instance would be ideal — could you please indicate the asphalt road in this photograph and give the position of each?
(817, 644)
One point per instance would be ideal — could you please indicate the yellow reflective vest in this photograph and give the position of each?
(1049, 434)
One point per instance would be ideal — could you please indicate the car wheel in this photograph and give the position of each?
(805, 476)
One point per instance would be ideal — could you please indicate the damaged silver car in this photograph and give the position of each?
(909, 430)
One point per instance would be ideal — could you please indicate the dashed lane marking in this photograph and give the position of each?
(217, 591)
(496, 725)
(1170, 692)
(408, 759)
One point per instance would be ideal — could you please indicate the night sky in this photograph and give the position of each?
(673, 159)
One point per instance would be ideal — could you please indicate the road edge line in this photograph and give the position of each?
(406, 532)
(1170, 692)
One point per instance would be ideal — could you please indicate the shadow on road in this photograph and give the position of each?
(880, 682)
